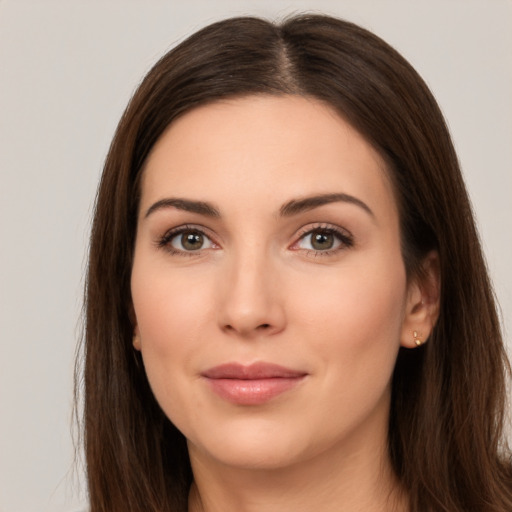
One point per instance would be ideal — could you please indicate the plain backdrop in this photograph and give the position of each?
(68, 68)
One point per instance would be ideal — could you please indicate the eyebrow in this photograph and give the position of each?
(293, 207)
(296, 206)
(201, 207)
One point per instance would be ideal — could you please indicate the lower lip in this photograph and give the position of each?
(253, 392)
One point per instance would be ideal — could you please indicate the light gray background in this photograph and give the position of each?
(68, 68)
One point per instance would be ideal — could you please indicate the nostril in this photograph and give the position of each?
(264, 326)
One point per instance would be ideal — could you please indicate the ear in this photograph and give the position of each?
(136, 338)
(136, 332)
(423, 301)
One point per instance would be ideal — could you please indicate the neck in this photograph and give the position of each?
(349, 480)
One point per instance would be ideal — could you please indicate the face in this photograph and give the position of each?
(268, 286)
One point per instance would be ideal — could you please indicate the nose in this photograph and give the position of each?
(251, 298)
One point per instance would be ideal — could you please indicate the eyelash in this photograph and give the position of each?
(165, 241)
(344, 237)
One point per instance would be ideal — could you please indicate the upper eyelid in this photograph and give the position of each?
(323, 225)
(188, 227)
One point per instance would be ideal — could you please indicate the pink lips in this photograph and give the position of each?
(251, 385)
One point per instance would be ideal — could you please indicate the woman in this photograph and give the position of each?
(287, 304)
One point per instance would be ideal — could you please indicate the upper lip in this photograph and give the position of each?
(255, 371)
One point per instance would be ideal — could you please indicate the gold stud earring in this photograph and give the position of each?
(417, 340)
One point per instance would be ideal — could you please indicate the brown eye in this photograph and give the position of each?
(189, 240)
(322, 240)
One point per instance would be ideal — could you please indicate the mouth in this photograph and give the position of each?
(255, 384)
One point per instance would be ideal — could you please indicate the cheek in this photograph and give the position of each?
(355, 312)
(171, 308)
(351, 327)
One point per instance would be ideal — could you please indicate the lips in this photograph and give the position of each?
(255, 384)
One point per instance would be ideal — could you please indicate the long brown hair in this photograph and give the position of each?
(447, 412)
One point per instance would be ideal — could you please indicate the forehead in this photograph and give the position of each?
(272, 147)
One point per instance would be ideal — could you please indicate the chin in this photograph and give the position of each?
(256, 446)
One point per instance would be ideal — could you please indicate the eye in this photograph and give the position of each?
(190, 241)
(185, 240)
(324, 240)
(319, 240)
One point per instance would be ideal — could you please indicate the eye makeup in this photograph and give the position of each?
(318, 240)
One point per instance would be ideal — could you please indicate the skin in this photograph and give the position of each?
(258, 289)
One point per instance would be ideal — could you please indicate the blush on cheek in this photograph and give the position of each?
(167, 302)
(361, 312)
